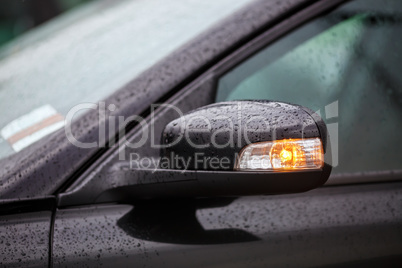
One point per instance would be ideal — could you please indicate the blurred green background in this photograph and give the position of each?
(19, 16)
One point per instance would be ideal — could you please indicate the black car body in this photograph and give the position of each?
(53, 212)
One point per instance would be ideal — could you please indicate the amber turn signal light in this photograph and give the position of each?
(282, 155)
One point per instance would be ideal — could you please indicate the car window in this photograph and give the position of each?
(345, 66)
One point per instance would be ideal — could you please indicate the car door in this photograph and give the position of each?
(331, 64)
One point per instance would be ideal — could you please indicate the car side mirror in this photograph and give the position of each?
(226, 149)
(240, 148)
(245, 136)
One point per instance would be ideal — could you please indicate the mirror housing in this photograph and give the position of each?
(219, 131)
(194, 145)
(201, 139)
(222, 131)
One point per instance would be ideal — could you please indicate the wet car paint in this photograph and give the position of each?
(346, 226)
(25, 230)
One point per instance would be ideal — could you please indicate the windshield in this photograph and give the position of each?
(85, 55)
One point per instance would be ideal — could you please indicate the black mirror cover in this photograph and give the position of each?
(221, 130)
(215, 132)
